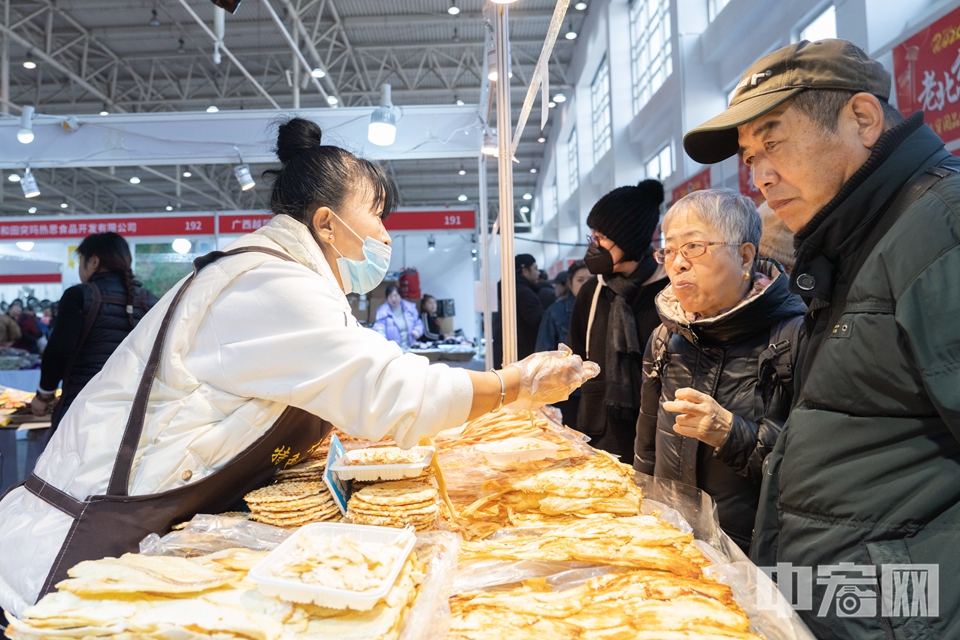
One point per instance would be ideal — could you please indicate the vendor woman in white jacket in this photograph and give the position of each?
(252, 361)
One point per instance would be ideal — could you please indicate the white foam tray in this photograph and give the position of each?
(296, 591)
(506, 451)
(371, 472)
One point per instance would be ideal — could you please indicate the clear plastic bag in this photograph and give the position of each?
(430, 615)
(208, 534)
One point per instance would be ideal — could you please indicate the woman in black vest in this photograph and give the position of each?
(95, 316)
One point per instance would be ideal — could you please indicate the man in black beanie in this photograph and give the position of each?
(614, 313)
(529, 310)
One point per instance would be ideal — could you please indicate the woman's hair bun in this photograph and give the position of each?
(651, 191)
(295, 136)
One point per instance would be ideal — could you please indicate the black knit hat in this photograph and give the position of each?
(629, 216)
(523, 260)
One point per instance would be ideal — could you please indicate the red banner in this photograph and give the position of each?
(243, 223)
(696, 183)
(27, 278)
(926, 71)
(54, 228)
(745, 174)
(431, 220)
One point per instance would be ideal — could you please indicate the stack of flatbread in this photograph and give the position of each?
(395, 504)
(293, 504)
(136, 597)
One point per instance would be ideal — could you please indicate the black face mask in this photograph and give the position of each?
(599, 261)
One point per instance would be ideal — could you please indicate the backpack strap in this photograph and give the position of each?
(783, 350)
(661, 336)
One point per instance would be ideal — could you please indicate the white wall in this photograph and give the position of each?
(708, 60)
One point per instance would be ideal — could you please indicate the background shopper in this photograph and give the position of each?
(614, 313)
(529, 310)
(397, 319)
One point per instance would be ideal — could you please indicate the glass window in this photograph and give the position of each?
(650, 49)
(714, 7)
(822, 27)
(600, 105)
(573, 161)
(556, 198)
(660, 166)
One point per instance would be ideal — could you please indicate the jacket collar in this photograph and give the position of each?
(839, 229)
(295, 239)
(748, 318)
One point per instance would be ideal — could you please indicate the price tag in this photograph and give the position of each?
(339, 489)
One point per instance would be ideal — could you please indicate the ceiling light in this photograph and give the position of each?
(462, 197)
(28, 184)
(524, 209)
(13, 177)
(492, 63)
(29, 64)
(382, 130)
(504, 1)
(25, 246)
(489, 144)
(431, 243)
(212, 109)
(181, 48)
(462, 172)
(551, 104)
(187, 174)
(533, 169)
(242, 171)
(559, 98)
(580, 6)
(459, 102)
(528, 196)
(332, 100)
(454, 9)
(181, 245)
(541, 139)
(32, 210)
(104, 113)
(318, 72)
(134, 180)
(25, 134)
(169, 207)
(456, 36)
(64, 205)
(570, 35)
(154, 22)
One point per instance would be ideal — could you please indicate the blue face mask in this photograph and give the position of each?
(362, 276)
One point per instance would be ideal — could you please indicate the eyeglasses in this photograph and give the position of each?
(689, 250)
(595, 238)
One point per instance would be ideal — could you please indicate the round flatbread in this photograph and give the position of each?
(396, 493)
(293, 506)
(427, 509)
(299, 518)
(285, 492)
(401, 521)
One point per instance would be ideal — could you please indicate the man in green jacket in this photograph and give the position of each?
(861, 496)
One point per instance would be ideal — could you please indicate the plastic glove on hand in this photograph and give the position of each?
(550, 376)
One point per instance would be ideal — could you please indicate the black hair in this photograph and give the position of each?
(423, 302)
(316, 175)
(114, 254)
(823, 107)
(575, 266)
(390, 289)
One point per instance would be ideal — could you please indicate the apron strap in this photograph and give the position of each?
(120, 478)
(53, 496)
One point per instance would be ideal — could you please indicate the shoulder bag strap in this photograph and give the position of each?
(88, 321)
(120, 478)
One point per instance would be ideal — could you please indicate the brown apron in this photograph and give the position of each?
(113, 524)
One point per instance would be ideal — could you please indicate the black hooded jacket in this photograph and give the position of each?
(727, 358)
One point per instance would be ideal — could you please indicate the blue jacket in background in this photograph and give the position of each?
(386, 325)
(555, 324)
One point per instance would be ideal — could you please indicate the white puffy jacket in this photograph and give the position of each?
(252, 335)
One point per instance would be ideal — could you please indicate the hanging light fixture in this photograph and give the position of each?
(503, 1)
(29, 64)
(181, 48)
(182, 245)
(242, 172)
(154, 21)
(14, 177)
(318, 72)
(187, 174)
(492, 63)
(28, 184)
(332, 100)
(489, 143)
(382, 130)
(25, 134)
(462, 197)
(559, 98)
(453, 9)
(431, 243)
(580, 6)
(212, 109)
(134, 180)
(25, 246)
(32, 210)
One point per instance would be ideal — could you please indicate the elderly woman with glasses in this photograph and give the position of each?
(717, 373)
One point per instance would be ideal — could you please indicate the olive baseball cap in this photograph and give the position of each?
(779, 76)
